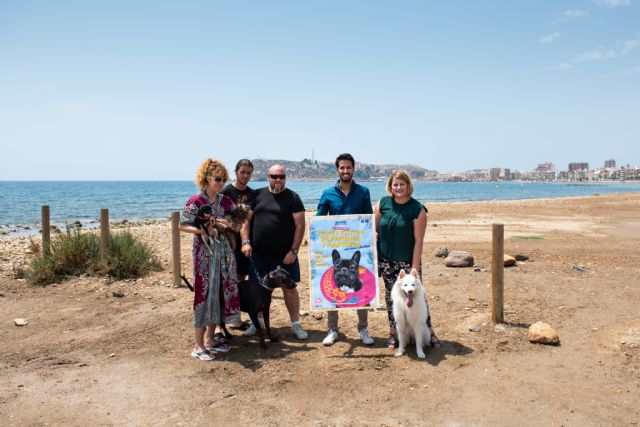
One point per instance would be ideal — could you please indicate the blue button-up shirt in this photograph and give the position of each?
(334, 202)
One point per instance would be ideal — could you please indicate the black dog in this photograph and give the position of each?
(345, 272)
(256, 297)
(202, 221)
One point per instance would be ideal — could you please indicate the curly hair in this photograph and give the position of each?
(210, 167)
(401, 175)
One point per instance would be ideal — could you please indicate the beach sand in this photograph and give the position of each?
(87, 357)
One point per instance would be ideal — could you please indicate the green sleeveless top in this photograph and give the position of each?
(396, 228)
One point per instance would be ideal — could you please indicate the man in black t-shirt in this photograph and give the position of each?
(273, 235)
(240, 192)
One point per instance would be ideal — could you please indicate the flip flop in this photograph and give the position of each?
(242, 327)
(204, 356)
(218, 347)
(392, 342)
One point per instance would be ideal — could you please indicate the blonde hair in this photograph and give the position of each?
(402, 175)
(210, 167)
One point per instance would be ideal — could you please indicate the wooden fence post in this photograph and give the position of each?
(175, 243)
(497, 275)
(46, 231)
(104, 234)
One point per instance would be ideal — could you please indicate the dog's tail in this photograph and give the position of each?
(186, 282)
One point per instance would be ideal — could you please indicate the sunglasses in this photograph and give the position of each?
(281, 177)
(219, 179)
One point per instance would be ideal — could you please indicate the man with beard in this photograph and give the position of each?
(273, 235)
(346, 198)
(240, 192)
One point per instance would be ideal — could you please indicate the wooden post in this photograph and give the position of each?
(175, 243)
(46, 231)
(497, 275)
(104, 234)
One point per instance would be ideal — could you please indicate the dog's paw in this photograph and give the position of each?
(398, 353)
(421, 354)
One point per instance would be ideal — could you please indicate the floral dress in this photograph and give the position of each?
(215, 283)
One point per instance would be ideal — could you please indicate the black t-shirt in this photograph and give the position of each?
(272, 225)
(238, 196)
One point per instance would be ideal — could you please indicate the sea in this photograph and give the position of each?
(71, 201)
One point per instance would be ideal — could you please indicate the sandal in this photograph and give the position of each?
(218, 347)
(241, 327)
(204, 356)
(392, 342)
(434, 341)
(219, 337)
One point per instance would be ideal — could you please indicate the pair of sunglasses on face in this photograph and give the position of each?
(280, 177)
(219, 179)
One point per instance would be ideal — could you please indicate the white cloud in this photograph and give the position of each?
(549, 38)
(601, 54)
(633, 70)
(561, 67)
(574, 13)
(613, 3)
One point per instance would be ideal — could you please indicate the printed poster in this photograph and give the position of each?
(343, 263)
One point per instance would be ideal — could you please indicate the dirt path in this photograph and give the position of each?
(89, 357)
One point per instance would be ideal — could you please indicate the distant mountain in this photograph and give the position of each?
(310, 170)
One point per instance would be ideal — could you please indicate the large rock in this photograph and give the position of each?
(459, 259)
(542, 333)
(441, 252)
(509, 261)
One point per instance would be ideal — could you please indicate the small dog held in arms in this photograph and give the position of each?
(410, 310)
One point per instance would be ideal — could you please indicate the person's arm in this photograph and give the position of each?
(376, 217)
(419, 228)
(299, 221)
(244, 236)
(322, 205)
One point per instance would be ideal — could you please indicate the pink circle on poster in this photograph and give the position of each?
(361, 298)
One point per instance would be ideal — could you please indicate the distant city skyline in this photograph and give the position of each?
(146, 90)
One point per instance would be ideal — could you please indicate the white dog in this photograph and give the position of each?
(411, 311)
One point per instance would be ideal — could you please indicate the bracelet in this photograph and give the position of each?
(295, 251)
(246, 242)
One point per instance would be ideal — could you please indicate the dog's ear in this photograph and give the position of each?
(402, 274)
(414, 273)
(335, 255)
(356, 257)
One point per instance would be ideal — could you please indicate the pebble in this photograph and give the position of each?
(117, 294)
(500, 327)
(20, 322)
(474, 327)
(543, 333)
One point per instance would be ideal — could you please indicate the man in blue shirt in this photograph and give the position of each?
(346, 198)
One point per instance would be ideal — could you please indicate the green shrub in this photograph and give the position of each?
(129, 257)
(75, 253)
(42, 271)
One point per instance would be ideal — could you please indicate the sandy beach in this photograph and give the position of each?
(87, 356)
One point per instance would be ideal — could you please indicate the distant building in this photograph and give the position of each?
(609, 163)
(578, 166)
(494, 174)
(545, 167)
(505, 174)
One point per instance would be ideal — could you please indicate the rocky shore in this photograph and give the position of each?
(91, 349)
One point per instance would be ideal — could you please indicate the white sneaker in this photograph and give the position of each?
(365, 338)
(251, 331)
(331, 337)
(300, 333)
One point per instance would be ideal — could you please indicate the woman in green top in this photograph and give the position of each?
(401, 222)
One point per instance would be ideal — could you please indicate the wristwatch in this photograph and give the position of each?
(246, 242)
(294, 250)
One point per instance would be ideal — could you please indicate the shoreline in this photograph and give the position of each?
(33, 229)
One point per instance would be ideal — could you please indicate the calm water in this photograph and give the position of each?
(20, 202)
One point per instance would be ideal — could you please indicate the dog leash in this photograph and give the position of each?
(260, 279)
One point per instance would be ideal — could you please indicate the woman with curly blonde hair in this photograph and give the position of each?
(214, 267)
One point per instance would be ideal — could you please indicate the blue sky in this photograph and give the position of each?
(147, 89)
